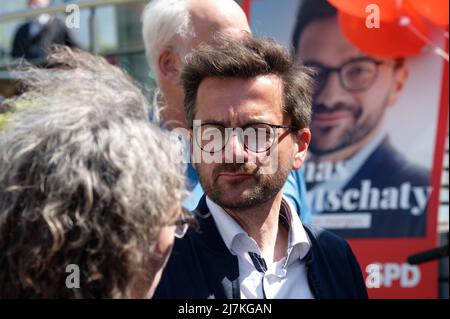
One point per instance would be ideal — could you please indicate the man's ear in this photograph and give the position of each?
(301, 140)
(169, 65)
(398, 82)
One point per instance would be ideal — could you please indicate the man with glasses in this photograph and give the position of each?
(359, 184)
(171, 30)
(248, 108)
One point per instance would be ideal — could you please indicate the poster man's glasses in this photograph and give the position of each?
(355, 75)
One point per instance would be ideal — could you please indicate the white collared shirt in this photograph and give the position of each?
(38, 24)
(284, 279)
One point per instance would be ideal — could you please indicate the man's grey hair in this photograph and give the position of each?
(84, 179)
(161, 21)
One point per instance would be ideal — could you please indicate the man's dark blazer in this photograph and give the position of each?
(35, 48)
(387, 168)
(201, 266)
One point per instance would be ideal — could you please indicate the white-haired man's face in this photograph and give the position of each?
(207, 19)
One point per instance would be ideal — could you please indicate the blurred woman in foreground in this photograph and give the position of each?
(88, 187)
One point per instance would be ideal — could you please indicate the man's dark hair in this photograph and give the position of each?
(309, 11)
(247, 58)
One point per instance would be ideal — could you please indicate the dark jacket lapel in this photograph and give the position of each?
(221, 268)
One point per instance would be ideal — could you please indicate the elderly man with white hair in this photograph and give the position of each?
(171, 30)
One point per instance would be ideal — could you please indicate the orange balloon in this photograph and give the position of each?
(434, 10)
(391, 40)
(389, 9)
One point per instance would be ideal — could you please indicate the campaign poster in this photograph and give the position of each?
(378, 132)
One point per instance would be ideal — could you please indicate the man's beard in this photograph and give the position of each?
(350, 136)
(266, 187)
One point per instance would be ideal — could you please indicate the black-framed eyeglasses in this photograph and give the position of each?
(355, 75)
(255, 137)
(184, 222)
